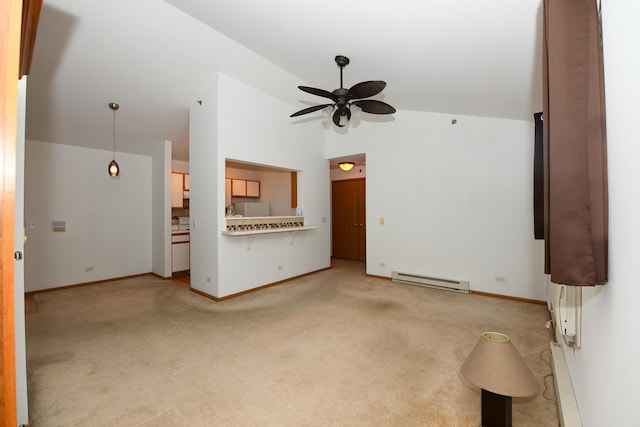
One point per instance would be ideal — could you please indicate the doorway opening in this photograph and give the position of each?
(348, 210)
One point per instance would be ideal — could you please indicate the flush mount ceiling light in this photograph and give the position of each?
(344, 98)
(114, 169)
(346, 166)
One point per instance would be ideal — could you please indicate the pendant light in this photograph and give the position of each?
(114, 169)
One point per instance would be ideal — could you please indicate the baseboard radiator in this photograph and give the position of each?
(568, 413)
(431, 282)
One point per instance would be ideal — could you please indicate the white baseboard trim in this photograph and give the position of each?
(568, 413)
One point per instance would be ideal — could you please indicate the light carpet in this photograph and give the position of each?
(335, 348)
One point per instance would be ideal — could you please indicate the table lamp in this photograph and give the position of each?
(495, 366)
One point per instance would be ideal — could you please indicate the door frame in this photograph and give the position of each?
(10, 27)
(355, 178)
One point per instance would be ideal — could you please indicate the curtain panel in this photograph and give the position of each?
(574, 140)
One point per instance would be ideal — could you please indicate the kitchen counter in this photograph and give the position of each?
(179, 228)
(254, 223)
(267, 231)
(242, 226)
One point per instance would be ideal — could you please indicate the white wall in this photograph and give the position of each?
(271, 139)
(359, 171)
(275, 188)
(604, 371)
(204, 186)
(108, 220)
(456, 199)
(161, 209)
(179, 166)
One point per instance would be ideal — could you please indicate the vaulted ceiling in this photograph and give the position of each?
(449, 56)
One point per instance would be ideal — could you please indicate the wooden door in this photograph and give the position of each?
(348, 219)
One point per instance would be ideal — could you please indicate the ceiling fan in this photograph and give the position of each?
(343, 98)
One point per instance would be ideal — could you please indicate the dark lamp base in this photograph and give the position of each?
(496, 410)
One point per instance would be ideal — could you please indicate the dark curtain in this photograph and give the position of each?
(575, 163)
(538, 180)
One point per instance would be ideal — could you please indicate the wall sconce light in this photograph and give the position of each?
(495, 366)
(346, 166)
(114, 168)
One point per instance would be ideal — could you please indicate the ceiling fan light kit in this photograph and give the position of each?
(343, 98)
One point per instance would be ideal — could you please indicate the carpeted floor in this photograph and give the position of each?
(333, 348)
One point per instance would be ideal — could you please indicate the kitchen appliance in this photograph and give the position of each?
(183, 223)
(252, 208)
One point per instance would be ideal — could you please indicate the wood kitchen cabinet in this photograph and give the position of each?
(238, 188)
(245, 188)
(227, 191)
(253, 189)
(177, 190)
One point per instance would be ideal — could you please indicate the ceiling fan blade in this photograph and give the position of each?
(375, 107)
(319, 92)
(366, 89)
(310, 110)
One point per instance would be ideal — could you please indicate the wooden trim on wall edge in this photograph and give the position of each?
(375, 276)
(77, 285)
(509, 297)
(268, 285)
(484, 294)
(30, 18)
(248, 291)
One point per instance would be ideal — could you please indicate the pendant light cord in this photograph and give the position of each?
(114, 169)
(114, 134)
(114, 107)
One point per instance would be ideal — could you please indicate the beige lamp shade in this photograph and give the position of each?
(495, 365)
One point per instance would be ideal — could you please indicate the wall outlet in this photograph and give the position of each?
(501, 279)
(208, 279)
(30, 226)
(279, 268)
(88, 269)
(324, 219)
(383, 265)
